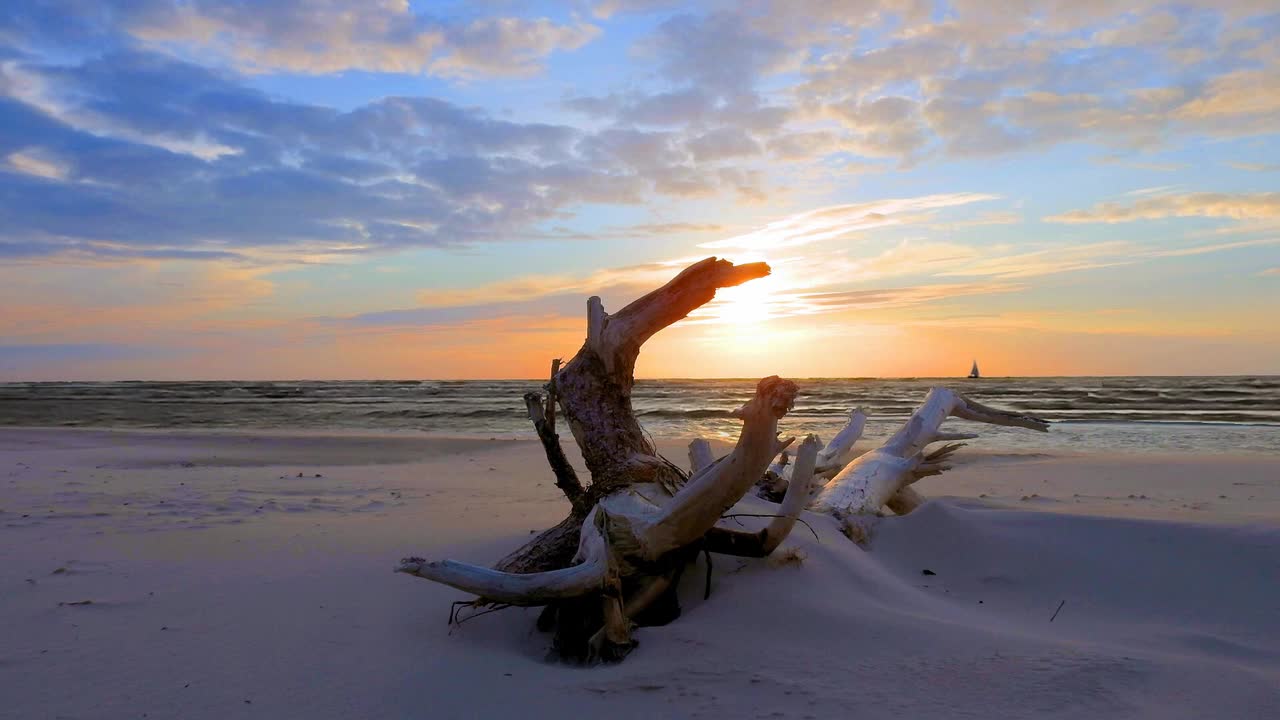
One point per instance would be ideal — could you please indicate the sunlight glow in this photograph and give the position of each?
(743, 305)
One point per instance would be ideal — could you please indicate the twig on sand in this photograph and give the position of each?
(456, 618)
(1055, 612)
(802, 521)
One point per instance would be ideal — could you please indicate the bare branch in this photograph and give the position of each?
(566, 476)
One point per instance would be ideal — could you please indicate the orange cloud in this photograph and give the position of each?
(1240, 206)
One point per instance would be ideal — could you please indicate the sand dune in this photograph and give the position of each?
(198, 575)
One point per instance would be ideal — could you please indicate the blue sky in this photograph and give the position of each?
(379, 189)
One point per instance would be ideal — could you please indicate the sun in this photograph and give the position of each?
(743, 305)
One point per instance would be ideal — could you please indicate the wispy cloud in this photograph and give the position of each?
(1046, 261)
(995, 217)
(1234, 206)
(33, 164)
(530, 287)
(1140, 322)
(1140, 164)
(1255, 166)
(1089, 256)
(840, 220)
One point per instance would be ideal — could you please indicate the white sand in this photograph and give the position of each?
(225, 586)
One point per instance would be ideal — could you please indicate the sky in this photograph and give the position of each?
(362, 189)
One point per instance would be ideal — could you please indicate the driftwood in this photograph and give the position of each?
(861, 486)
(614, 561)
(883, 476)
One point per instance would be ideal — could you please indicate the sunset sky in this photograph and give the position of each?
(382, 189)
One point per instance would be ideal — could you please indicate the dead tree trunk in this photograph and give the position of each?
(631, 531)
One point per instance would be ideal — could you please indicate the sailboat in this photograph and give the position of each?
(974, 374)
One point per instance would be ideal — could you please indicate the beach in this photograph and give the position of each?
(153, 573)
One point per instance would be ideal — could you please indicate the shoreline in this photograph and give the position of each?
(974, 447)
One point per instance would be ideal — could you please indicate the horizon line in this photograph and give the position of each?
(650, 379)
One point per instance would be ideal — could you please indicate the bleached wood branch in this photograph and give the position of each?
(838, 452)
(540, 588)
(631, 326)
(613, 640)
(870, 481)
(700, 455)
(760, 544)
(941, 403)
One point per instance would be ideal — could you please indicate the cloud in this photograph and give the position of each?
(1129, 162)
(137, 153)
(1046, 261)
(534, 297)
(994, 217)
(720, 51)
(1238, 206)
(34, 164)
(672, 228)
(891, 126)
(723, 144)
(507, 46)
(1241, 102)
(853, 84)
(1138, 322)
(806, 145)
(839, 220)
(802, 79)
(309, 36)
(984, 81)
(1215, 247)
(879, 298)
(637, 277)
(609, 8)
(158, 302)
(21, 358)
(1255, 167)
(1089, 256)
(798, 285)
(788, 292)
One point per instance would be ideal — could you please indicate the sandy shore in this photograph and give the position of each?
(222, 575)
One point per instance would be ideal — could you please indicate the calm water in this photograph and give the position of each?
(1213, 414)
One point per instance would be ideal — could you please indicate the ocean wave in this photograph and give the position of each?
(1231, 412)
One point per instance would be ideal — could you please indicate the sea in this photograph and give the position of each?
(1123, 414)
